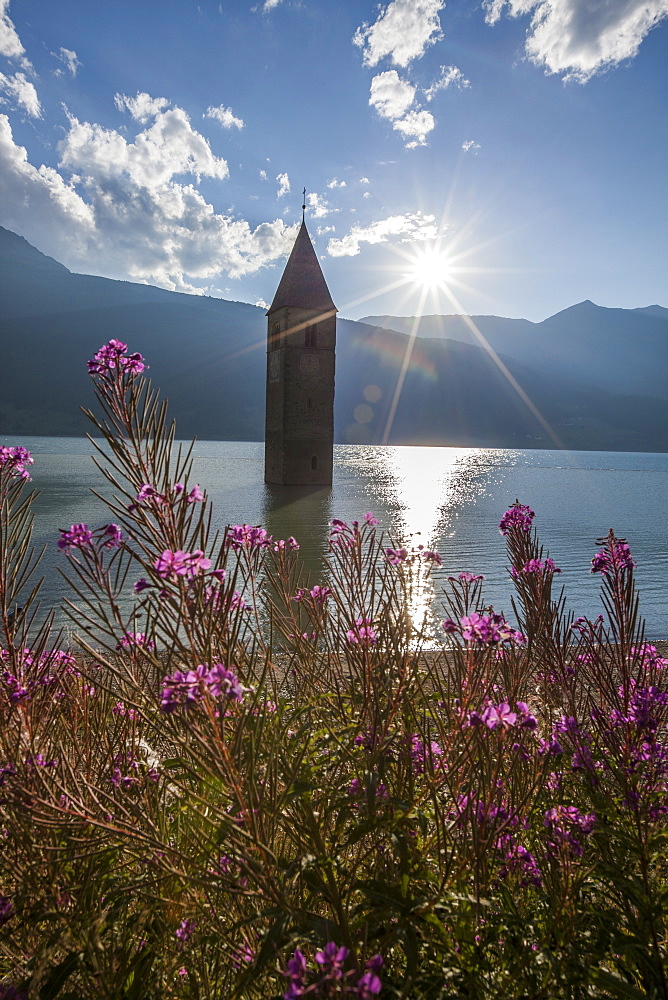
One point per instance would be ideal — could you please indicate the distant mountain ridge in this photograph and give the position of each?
(625, 350)
(208, 356)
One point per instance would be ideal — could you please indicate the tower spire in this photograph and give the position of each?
(304, 206)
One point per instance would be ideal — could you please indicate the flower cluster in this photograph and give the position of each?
(363, 633)
(649, 656)
(34, 671)
(422, 754)
(519, 517)
(501, 716)
(248, 536)
(184, 932)
(148, 495)
(14, 461)
(567, 830)
(113, 355)
(344, 534)
(397, 556)
(616, 557)
(80, 536)
(536, 566)
(171, 565)
(134, 640)
(318, 595)
(330, 962)
(488, 630)
(192, 686)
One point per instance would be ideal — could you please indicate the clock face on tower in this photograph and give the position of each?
(309, 364)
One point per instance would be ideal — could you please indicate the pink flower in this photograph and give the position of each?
(195, 495)
(181, 563)
(132, 640)
(78, 536)
(396, 556)
(113, 356)
(15, 460)
(242, 536)
(363, 633)
(518, 517)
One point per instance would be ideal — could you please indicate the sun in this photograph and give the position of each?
(430, 269)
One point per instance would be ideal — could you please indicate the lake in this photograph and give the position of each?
(454, 497)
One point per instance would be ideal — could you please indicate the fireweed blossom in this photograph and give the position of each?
(536, 566)
(487, 630)
(134, 640)
(501, 716)
(113, 356)
(330, 972)
(519, 517)
(185, 688)
(14, 460)
(286, 544)
(76, 537)
(567, 830)
(396, 556)
(248, 536)
(318, 595)
(170, 565)
(616, 557)
(363, 633)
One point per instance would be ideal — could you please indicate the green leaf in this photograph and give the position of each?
(60, 975)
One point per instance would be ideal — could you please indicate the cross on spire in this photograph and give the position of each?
(304, 205)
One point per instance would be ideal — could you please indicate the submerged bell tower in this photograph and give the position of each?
(301, 342)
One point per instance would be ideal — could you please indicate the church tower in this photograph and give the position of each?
(301, 340)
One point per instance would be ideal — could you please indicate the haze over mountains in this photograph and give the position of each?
(596, 375)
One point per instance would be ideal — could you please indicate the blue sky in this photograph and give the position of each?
(506, 157)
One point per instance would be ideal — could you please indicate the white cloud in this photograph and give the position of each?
(580, 39)
(364, 180)
(470, 146)
(323, 230)
(367, 194)
(262, 304)
(411, 226)
(224, 116)
(415, 126)
(10, 43)
(390, 95)
(168, 147)
(335, 184)
(402, 32)
(269, 5)
(393, 98)
(318, 207)
(283, 185)
(143, 107)
(123, 213)
(451, 76)
(263, 175)
(23, 92)
(68, 58)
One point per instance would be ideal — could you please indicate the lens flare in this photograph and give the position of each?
(430, 269)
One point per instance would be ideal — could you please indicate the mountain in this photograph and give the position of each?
(623, 350)
(208, 357)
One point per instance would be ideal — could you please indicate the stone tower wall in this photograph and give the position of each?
(299, 434)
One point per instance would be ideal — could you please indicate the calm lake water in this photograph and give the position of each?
(453, 496)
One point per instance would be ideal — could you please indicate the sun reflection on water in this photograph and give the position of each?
(420, 492)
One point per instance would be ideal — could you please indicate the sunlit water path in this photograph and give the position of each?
(453, 496)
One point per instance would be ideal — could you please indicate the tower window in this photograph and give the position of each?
(314, 463)
(275, 339)
(310, 337)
